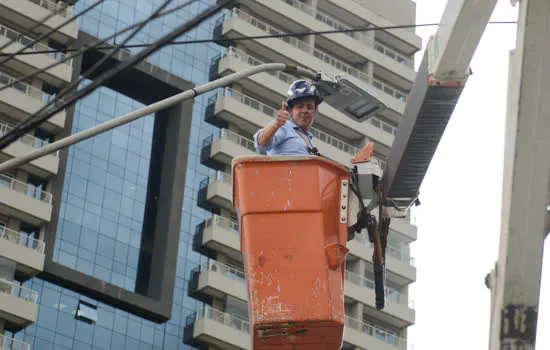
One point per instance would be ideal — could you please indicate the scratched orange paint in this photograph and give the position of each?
(289, 216)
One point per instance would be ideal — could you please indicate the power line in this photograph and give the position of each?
(14, 134)
(30, 31)
(84, 48)
(268, 36)
(49, 33)
(38, 118)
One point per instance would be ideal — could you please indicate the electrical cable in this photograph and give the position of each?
(15, 133)
(271, 36)
(48, 33)
(38, 118)
(84, 48)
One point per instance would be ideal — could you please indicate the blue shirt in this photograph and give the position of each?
(286, 141)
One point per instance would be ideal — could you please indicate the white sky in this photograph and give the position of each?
(459, 219)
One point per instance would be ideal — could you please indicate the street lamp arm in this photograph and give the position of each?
(153, 108)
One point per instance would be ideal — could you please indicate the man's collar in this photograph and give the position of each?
(296, 127)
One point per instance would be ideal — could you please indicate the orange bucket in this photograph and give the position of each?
(293, 222)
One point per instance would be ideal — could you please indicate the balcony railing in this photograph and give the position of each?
(7, 343)
(326, 58)
(25, 88)
(394, 252)
(232, 272)
(381, 334)
(224, 223)
(220, 176)
(11, 288)
(22, 240)
(334, 23)
(287, 78)
(58, 7)
(228, 135)
(392, 294)
(27, 139)
(27, 189)
(220, 317)
(25, 40)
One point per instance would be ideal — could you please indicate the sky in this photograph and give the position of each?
(458, 234)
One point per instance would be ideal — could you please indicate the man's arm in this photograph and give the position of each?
(264, 137)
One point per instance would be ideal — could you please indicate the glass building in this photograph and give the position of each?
(121, 271)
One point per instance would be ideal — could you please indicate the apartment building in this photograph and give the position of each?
(91, 258)
(26, 193)
(383, 60)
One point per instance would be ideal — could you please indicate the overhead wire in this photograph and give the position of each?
(39, 117)
(14, 134)
(31, 31)
(47, 34)
(85, 47)
(274, 36)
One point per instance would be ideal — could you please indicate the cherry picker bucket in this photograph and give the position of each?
(293, 219)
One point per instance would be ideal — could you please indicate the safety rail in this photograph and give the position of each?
(28, 189)
(223, 222)
(390, 90)
(382, 125)
(26, 89)
(287, 78)
(392, 294)
(220, 317)
(225, 134)
(8, 343)
(22, 240)
(18, 291)
(27, 139)
(58, 7)
(272, 112)
(25, 40)
(360, 36)
(381, 334)
(334, 62)
(394, 252)
(228, 271)
(220, 176)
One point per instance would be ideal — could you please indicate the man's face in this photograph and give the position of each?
(303, 112)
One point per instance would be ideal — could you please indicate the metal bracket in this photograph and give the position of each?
(344, 194)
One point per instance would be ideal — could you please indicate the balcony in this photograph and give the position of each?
(45, 166)
(273, 87)
(398, 311)
(219, 149)
(26, 251)
(28, 13)
(354, 47)
(369, 336)
(56, 76)
(227, 332)
(399, 267)
(216, 280)
(357, 12)
(230, 106)
(18, 305)
(24, 201)
(219, 329)
(218, 234)
(21, 100)
(292, 50)
(7, 343)
(216, 192)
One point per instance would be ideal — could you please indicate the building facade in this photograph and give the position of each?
(129, 240)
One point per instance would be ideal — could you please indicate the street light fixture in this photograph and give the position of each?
(350, 96)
